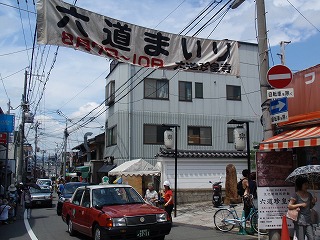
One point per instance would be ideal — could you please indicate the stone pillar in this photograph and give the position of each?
(231, 185)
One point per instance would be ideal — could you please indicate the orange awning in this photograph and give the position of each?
(304, 137)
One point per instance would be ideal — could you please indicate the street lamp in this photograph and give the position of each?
(175, 126)
(243, 121)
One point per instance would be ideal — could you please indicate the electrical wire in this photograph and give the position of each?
(205, 25)
(303, 16)
(4, 87)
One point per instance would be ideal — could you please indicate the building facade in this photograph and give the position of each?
(140, 100)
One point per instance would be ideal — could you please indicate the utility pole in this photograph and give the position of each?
(49, 166)
(35, 150)
(274, 234)
(21, 173)
(66, 134)
(283, 54)
(44, 172)
(264, 67)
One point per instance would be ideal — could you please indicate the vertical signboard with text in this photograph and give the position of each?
(273, 191)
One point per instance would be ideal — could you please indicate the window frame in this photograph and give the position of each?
(111, 140)
(230, 140)
(234, 96)
(160, 128)
(199, 129)
(183, 88)
(196, 93)
(110, 93)
(158, 90)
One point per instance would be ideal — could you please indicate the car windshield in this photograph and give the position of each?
(115, 196)
(44, 182)
(71, 188)
(42, 190)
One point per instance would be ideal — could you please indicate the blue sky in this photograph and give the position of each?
(77, 81)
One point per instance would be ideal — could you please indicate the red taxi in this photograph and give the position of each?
(114, 212)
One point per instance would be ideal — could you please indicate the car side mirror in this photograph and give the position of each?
(98, 207)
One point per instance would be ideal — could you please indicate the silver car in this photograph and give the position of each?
(41, 197)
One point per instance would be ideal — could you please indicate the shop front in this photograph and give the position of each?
(296, 143)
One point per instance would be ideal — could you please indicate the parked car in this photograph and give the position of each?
(66, 194)
(45, 183)
(41, 197)
(114, 212)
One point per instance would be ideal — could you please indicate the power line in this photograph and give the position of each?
(7, 5)
(303, 16)
(4, 88)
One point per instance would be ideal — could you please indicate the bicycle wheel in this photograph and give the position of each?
(254, 224)
(221, 218)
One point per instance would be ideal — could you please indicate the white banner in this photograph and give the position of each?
(59, 23)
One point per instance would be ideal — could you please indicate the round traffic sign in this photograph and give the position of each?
(279, 76)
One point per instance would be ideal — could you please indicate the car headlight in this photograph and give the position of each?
(62, 199)
(47, 197)
(162, 217)
(119, 222)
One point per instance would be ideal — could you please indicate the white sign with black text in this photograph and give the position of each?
(280, 93)
(273, 204)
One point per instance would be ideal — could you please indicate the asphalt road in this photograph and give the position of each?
(47, 225)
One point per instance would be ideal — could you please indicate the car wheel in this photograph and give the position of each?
(70, 228)
(98, 233)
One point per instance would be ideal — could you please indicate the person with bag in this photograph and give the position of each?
(26, 200)
(247, 197)
(302, 203)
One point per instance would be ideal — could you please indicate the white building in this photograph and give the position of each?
(139, 100)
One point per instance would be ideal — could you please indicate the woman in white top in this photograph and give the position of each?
(151, 196)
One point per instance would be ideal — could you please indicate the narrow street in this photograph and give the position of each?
(47, 225)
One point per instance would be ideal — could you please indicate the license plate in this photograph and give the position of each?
(38, 202)
(143, 233)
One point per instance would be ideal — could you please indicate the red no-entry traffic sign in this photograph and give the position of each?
(279, 76)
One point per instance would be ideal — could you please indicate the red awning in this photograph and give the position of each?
(304, 137)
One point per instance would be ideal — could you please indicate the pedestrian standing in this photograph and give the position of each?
(168, 199)
(12, 195)
(151, 196)
(4, 211)
(303, 201)
(26, 200)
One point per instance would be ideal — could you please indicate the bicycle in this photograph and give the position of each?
(225, 219)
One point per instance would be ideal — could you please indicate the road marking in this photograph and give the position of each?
(29, 230)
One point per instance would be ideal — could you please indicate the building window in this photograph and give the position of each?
(233, 93)
(111, 134)
(156, 88)
(198, 90)
(199, 136)
(230, 135)
(153, 134)
(185, 91)
(110, 93)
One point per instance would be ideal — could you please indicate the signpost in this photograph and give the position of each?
(279, 110)
(279, 76)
